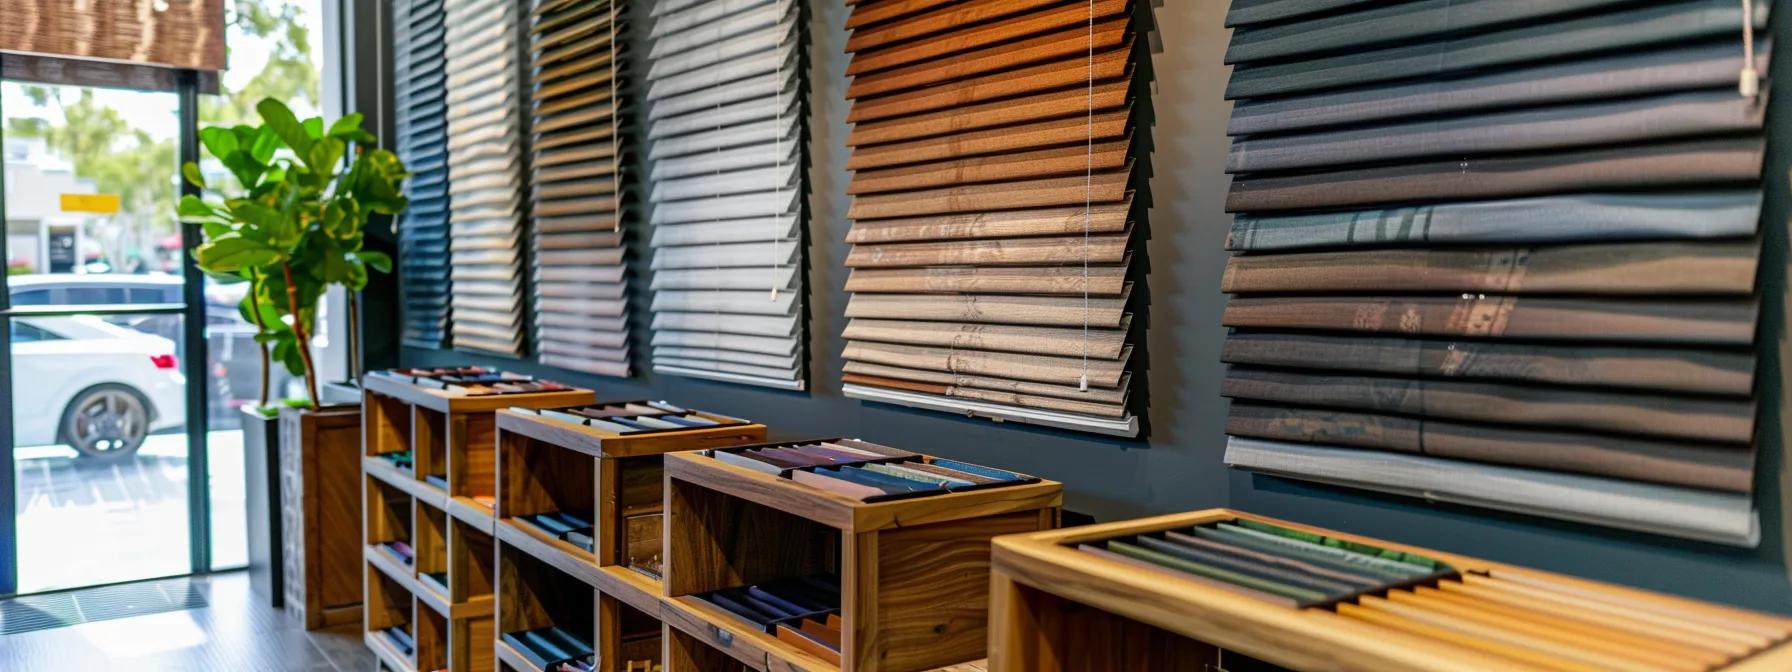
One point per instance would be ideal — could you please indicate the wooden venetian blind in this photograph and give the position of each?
(993, 156)
(485, 185)
(581, 308)
(420, 98)
(1501, 253)
(170, 33)
(726, 142)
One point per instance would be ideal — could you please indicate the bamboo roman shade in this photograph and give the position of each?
(185, 34)
(485, 187)
(726, 144)
(420, 97)
(581, 308)
(993, 154)
(1501, 254)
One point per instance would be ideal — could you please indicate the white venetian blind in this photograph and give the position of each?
(485, 185)
(725, 141)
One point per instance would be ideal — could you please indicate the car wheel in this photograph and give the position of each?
(106, 421)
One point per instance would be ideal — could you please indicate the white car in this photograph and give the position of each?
(91, 385)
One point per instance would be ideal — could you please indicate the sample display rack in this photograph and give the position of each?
(429, 465)
(599, 467)
(912, 571)
(1063, 600)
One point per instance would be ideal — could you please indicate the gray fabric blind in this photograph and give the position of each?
(726, 145)
(993, 187)
(485, 153)
(419, 81)
(1518, 233)
(578, 277)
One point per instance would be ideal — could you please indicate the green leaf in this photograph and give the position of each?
(345, 127)
(219, 141)
(314, 128)
(229, 253)
(214, 228)
(281, 120)
(245, 167)
(266, 142)
(194, 206)
(190, 171)
(378, 261)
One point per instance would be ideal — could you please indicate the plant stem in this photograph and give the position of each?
(261, 327)
(301, 333)
(354, 336)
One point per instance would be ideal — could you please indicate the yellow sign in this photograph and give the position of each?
(105, 204)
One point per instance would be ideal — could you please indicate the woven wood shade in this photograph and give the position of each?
(186, 34)
(726, 142)
(486, 188)
(993, 156)
(1512, 233)
(575, 177)
(419, 79)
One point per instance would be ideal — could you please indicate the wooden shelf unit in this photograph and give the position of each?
(1056, 608)
(453, 437)
(449, 434)
(913, 572)
(547, 464)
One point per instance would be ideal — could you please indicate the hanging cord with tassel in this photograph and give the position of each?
(1750, 83)
(1088, 197)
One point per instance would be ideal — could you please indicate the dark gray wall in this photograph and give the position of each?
(1178, 466)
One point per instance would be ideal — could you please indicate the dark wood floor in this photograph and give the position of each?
(236, 632)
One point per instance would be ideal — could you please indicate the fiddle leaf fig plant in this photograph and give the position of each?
(289, 220)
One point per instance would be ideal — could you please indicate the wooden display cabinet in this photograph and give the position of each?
(1056, 608)
(435, 505)
(615, 480)
(914, 573)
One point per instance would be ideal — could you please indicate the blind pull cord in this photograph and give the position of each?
(777, 169)
(1750, 83)
(1088, 197)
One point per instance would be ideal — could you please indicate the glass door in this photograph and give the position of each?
(99, 413)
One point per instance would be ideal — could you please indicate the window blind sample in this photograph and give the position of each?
(1692, 513)
(1699, 371)
(419, 95)
(994, 168)
(1500, 253)
(726, 145)
(485, 187)
(1549, 219)
(1672, 462)
(578, 277)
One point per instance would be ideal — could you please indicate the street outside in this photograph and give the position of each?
(82, 522)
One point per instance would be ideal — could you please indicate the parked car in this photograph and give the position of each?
(233, 364)
(95, 386)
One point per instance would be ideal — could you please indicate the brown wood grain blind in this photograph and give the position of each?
(1523, 235)
(185, 34)
(994, 167)
(577, 245)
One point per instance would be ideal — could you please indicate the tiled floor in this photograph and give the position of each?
(236, 631)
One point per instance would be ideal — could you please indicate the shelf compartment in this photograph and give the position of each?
(686, 653)
(913, 572)
(390, 607)
(533, 596)
(429, 445)
(388, 513)
(388, 428)
(432, 639)
(585, 461)
(430, 543)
